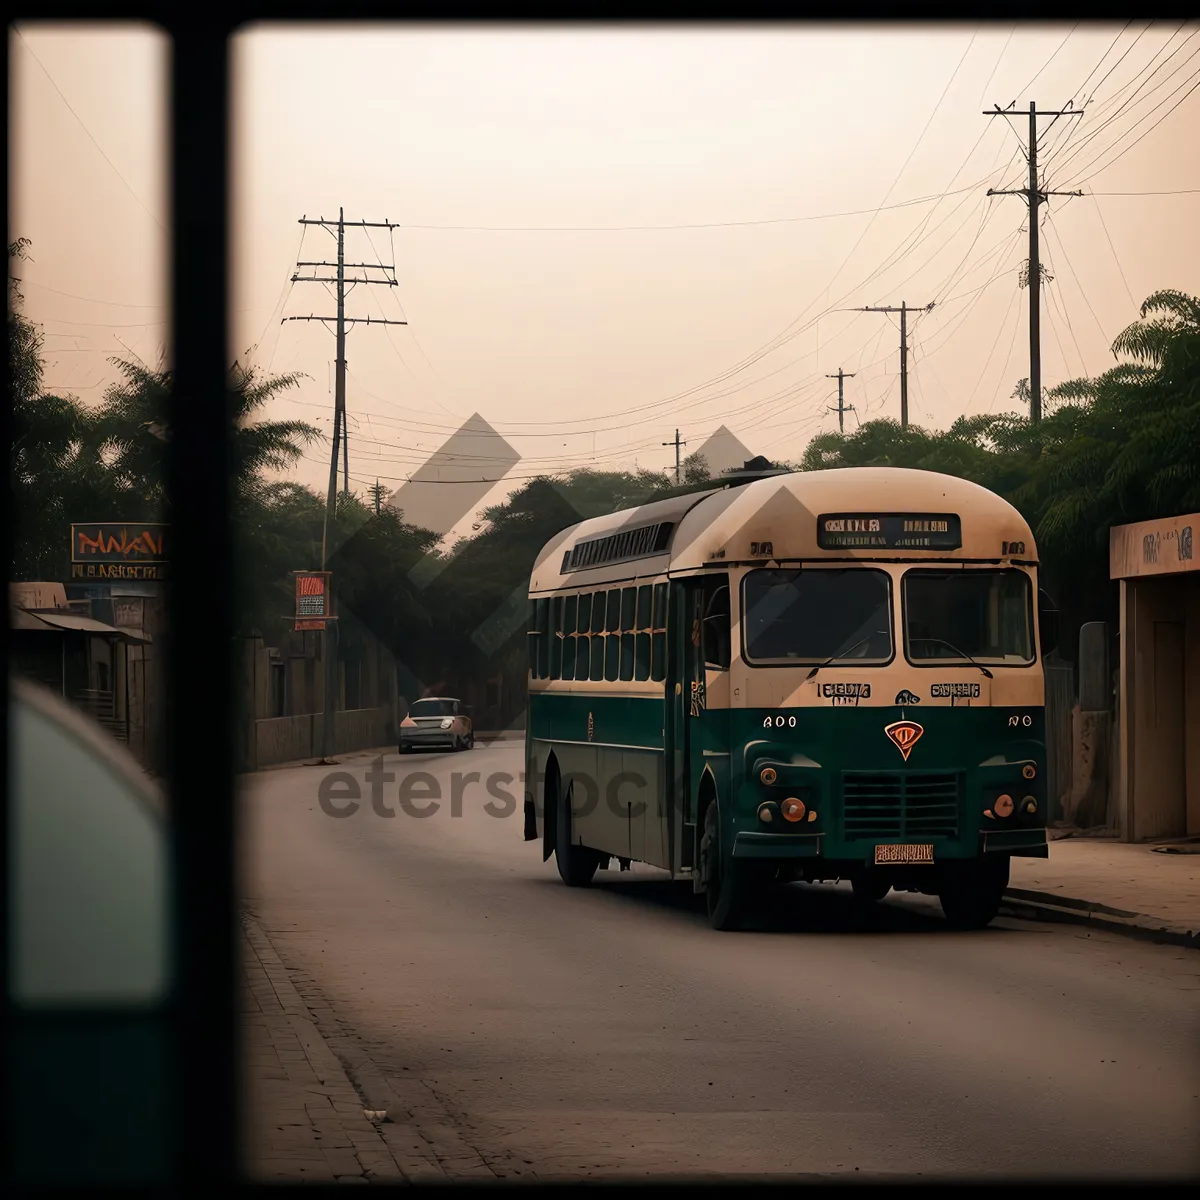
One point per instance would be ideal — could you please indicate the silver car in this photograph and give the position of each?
(437, 723)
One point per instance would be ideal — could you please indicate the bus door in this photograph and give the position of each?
(699, 671)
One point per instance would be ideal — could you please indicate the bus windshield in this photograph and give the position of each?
(817, 615)
(961, 615)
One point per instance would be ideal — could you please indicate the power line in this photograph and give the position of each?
(1116, 259)
(88, 131)
(1195, 77)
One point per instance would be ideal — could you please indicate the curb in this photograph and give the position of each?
(369, 1149)
(1046, 906)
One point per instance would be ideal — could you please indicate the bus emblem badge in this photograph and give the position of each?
(905, 735)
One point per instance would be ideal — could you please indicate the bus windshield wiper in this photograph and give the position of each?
(842, 652)
(961, 654)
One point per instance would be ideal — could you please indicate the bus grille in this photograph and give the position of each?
(900, 804)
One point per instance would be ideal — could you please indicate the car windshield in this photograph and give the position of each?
(811, 615)
(968, 614)
(433, 708)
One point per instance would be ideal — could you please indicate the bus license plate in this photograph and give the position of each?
(903, 854)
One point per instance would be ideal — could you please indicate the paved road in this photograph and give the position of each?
(559, 1032)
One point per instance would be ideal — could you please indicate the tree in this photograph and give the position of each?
(55, 475)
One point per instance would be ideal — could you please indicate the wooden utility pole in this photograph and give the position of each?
(1035, 196)
(903, 310)
(340, 321)
(676, 443)
(842, 407)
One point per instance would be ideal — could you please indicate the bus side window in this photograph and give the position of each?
(643, 608)
(628, 609)
(628, 637)
(612, 654)
(641, 642)
(543, 658)
(581, 656)
(658, 640)
(570, 604)
(556, 640)
(531, 638)
(585, 613)
(716, 623)
(597, 640)
(613, 622)
(599, 602)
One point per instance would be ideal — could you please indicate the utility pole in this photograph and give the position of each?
(841, 409)
(903, 310)
(676, 443)
(341, 321)
(1035, 196)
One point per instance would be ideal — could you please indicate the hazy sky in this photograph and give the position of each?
(515, 162)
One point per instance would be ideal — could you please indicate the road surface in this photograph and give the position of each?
(609, 1032)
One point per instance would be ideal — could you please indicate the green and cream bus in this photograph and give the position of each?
(804, 676)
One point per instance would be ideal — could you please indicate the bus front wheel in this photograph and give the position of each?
(972, 891)
(577, 865)
(729, 889)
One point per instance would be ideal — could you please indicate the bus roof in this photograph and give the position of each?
(776, 518)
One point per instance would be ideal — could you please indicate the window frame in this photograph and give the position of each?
(922, 664)
(855, 663)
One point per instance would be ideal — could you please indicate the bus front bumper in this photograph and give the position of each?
(1025, 843)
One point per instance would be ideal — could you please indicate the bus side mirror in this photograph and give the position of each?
(1047, 624)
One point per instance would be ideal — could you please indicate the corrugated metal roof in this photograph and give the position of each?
(22, 619)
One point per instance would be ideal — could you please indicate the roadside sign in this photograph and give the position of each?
(314, 605)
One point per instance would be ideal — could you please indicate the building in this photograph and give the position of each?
(1159, 689)
(61, 643)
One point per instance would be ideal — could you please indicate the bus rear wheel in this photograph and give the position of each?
(577, 865)
(972, 891)
(730, 889)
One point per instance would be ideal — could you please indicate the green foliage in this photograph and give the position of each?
(1118, 448)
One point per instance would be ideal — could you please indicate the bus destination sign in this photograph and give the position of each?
(889, 531)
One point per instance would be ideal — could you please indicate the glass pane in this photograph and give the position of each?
(658, 663)
(597, 663)
(556, 656)
(642, 656)
(583, 658)
(531, 641)
(957, 616)
(599, 607)
(568, 657)
(818, 615)
(660, 606)
(643, 607)
(627, 640)
(556, 609)
(89, 875)
(585, 613)
(613, 623)
(612, 656)
(570, 607)
(628, 608)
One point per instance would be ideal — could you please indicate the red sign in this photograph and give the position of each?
(313, 599)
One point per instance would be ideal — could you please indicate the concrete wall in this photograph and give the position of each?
(292, 739)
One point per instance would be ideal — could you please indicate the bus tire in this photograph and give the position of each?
(868, 891)
(729, 889)
(577, 865)
(972, 891)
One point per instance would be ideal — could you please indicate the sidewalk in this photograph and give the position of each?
(482, 738)
(1150, 891)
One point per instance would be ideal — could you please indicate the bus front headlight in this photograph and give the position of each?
(792, 809)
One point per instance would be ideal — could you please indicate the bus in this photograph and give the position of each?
(798, 676)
